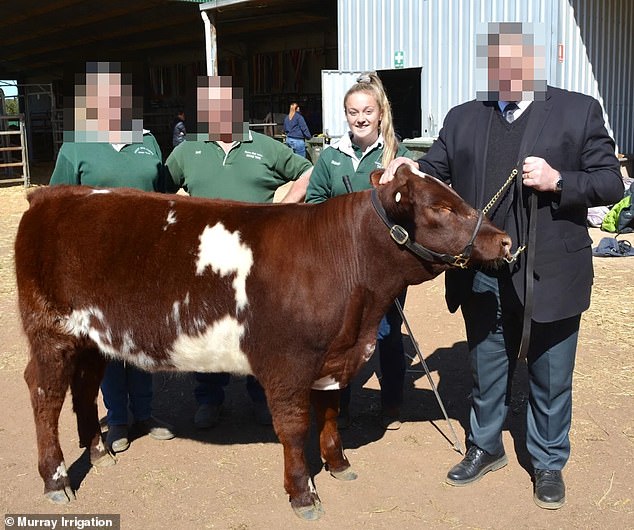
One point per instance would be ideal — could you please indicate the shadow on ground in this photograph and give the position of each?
(174, 402)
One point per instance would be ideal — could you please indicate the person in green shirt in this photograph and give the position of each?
(371, 144)
(106, 165)
(249, 170)
(228, 161)
(105, 150)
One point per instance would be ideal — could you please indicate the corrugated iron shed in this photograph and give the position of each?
(589, 48)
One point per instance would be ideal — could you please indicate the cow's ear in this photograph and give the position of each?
(375, 176)
(397, 198)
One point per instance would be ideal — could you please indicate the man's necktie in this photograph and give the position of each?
(509, 111)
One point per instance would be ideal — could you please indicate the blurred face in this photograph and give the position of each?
(510, 62)
(104, 109)
(364, 118)
(104, 105)
(511, 67)
(220, 109)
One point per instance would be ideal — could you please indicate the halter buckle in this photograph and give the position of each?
(399, 234)
(460, 261)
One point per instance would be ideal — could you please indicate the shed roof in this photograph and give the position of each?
(39, 38)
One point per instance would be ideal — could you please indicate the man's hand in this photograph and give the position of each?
(537, 174)
(297, 193)
(388, 174)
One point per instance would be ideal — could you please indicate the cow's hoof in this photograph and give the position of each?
(344, 474)
(60, 496)
(309, 513)
(104, 460)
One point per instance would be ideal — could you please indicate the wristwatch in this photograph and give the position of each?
(559, 184)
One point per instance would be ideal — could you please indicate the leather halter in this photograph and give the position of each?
(400, 235)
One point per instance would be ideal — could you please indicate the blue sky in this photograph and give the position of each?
(8, 90)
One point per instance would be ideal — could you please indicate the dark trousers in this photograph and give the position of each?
(210, 388)
(493, 319)
(391, 359)
(125, 385)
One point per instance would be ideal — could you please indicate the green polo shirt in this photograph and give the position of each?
(138, 165)
(326, 180)
(251, 171)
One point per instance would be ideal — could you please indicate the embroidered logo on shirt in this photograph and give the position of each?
(253, 154)
(143, 151)
(198, 152)
(335, 163)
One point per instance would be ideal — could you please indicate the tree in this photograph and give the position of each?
(11, 106)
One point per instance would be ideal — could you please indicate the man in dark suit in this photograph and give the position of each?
(558, 142)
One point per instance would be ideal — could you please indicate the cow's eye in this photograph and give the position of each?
(443, 210)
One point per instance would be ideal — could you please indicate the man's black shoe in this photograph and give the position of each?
(550, 490)
(474, 465)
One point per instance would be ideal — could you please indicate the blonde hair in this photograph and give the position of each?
(292, 109)
(370, 83)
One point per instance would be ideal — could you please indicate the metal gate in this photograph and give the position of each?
(13, 150)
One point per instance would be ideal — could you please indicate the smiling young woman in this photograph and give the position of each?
(370, 144)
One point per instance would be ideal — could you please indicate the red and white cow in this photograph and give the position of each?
(290, 293)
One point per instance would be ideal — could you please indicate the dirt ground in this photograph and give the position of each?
(230, 477)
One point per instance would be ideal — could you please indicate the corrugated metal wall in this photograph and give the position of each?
(599, 59)
(439, 36)
(334, 85)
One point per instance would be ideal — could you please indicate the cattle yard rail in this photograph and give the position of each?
(13, 150)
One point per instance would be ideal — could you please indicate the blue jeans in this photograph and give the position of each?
(493, 318)
(210, 388)
(391, 359)
(123, 385)
(297, 145)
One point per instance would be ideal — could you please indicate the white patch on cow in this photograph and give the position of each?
(79, 323)
(326, 383)
(60, 472)
(100, 445)
(311, 486)
(99, 192)
(215, 349)
(186, 301)
(419, 173)
(143, 361)
(224, 253)
(397, 197)
(176, 317)
(369, 351)
(40, 391)
(171, 219)
(128, 351)
(199, 324)
(127, 343)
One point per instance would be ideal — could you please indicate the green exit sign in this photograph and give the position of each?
(399, 59)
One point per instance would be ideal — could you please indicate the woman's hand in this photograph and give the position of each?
(390, 170)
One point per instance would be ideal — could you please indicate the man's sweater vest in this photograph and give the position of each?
(502, 156)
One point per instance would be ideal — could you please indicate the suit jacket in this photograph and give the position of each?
(568, 131)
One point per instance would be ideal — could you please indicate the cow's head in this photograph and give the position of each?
(435, 223)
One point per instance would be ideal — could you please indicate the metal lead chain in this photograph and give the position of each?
(493, 200)
(500, 192)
